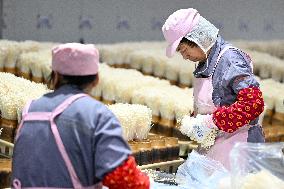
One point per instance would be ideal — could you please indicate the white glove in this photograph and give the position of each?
(200, 129)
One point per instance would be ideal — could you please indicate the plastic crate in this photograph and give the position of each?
(6, 149)
(167, 166)
(186, 147)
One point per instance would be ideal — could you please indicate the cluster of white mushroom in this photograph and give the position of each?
(149, 58)
(25, 58)
(206, 137)
(267, 66)
(135, 120)
(117, 54)
(130, 86)
(15, 92)
(272, 47)
(154, 62)
(9, 51)
(273, 94)
(35, 66)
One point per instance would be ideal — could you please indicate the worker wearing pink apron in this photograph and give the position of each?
(204, 105)
(49, 116)
(226, 94)
(66, 139)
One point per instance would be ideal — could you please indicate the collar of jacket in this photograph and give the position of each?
(204, 69)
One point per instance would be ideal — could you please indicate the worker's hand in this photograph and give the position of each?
(199, 128)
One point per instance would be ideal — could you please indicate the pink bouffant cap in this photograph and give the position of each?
(177, 26)
(75, 59)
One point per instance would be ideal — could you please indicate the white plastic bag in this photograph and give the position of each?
(257, 165)
(200, 172)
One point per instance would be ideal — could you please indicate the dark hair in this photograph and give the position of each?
(80, 81)
(188, 42)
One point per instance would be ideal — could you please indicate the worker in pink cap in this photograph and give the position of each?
(227, 97)
(66, 139)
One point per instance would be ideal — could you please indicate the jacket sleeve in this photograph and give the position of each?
(114, 164)
(248, 106)
(127, 176)
(110, 149)
(249, 102)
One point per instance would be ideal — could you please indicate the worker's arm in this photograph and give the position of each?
(114, 164)
(249, 104)
(127, 176)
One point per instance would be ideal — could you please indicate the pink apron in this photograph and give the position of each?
(203, 104)
(44, 116)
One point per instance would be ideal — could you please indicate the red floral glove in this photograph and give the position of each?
(249, 106)
(127, 176)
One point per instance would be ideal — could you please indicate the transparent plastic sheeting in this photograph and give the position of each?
(200, 172)
(253, 165)
(257, 165)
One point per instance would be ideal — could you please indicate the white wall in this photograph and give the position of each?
(108, 21)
